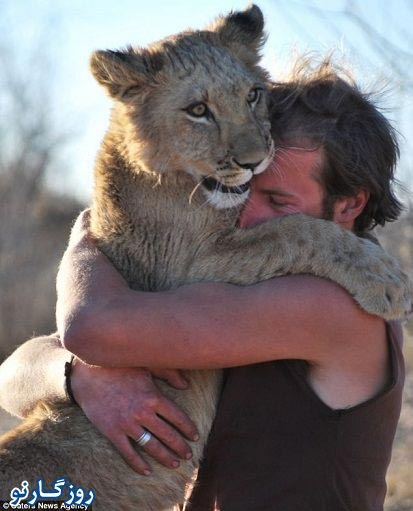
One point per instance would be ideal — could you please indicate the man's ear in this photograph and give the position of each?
(125, 71)
(347, 209)
(243, 33)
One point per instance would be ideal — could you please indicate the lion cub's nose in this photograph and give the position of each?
(250, 166)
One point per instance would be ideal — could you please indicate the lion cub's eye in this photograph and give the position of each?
(197, 110)
(254, 96)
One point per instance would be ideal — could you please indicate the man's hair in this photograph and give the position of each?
(360, 145)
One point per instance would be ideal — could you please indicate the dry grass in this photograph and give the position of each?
(398, 239)
(400, 474)
(32, 241)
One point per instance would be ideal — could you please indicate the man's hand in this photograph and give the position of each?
(121, 403)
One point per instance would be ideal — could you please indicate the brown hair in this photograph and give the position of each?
(360, 144)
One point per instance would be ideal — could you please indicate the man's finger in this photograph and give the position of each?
(173, 377)
(157, 450)
(177, 418)
(169, 436)
(131, 456)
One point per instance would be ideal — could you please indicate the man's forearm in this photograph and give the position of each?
(214, 325)
(34, 372)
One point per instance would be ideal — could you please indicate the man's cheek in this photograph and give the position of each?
(250, 210)
(255, 213)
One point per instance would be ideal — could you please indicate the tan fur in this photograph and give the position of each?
(151, 159)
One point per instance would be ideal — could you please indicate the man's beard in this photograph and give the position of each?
(327, 212)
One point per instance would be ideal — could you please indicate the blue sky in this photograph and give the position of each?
(71, 29)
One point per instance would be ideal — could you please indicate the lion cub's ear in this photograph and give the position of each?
(243, 33)
(123, 73)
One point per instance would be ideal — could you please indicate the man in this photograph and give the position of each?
(312, 428)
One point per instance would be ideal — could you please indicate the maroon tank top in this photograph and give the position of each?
(275, 446)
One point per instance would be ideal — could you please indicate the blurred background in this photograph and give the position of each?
(53, 116)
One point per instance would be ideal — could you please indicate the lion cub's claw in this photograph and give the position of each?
(383, 289)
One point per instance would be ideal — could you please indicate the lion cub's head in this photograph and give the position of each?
(194, 102)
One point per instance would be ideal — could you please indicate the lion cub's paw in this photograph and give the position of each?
(383, 288)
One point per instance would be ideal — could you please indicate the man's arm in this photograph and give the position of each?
(217, 325)
(202, 325)
(119, 402)
(34, 372)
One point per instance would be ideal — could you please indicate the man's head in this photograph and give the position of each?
(335, 146)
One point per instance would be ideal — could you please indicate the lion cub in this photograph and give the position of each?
(188, 131)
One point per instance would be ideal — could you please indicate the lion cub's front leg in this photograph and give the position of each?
(298, 244)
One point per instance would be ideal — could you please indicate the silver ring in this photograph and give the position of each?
(144, 438)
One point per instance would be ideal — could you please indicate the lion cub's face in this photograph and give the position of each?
(197, 103)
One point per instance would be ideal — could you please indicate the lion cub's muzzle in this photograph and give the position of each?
(231, 183)
(213, 185)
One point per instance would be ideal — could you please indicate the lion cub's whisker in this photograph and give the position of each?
(196, 187)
